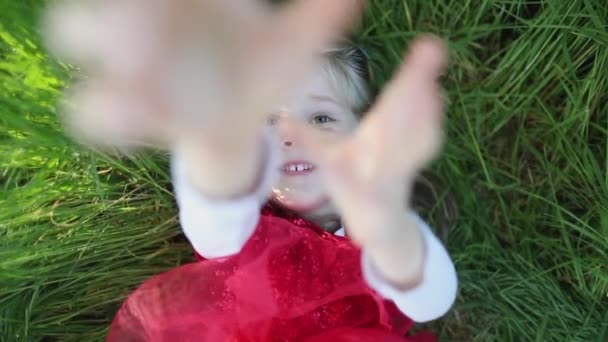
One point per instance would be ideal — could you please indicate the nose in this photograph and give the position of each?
(285, 136)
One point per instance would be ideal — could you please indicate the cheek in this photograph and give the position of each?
(347, 124)
(338, 131)
(331, 136)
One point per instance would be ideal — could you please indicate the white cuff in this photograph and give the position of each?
(437, 291)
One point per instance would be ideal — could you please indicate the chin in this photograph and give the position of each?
(303, 207)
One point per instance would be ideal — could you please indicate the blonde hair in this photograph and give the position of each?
(347, 68)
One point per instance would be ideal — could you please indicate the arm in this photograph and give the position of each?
(221, 224)
(367, 173)
(434, 292)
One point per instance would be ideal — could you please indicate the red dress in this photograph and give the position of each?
(292, 281)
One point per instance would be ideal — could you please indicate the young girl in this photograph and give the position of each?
(284, 270)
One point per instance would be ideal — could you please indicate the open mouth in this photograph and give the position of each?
(297, 168)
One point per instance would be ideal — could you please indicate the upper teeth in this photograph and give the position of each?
(298, 167)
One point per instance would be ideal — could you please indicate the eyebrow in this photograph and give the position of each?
(322, 98)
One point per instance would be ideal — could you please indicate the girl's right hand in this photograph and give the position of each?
(199, 76)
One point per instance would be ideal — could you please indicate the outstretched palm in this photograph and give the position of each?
(161, 70)
(371, 171)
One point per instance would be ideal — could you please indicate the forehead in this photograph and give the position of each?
(319, 84)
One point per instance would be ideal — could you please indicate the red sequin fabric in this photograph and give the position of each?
(292, 281)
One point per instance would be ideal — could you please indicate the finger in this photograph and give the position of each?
(104, 114)
(424, 63)
(290, 46)
(69, 30)
(315, 23)
(409, 112)
(118, 36)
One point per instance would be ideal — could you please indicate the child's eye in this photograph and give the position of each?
(322, 118)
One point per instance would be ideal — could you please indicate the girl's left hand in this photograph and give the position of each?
(370, 175)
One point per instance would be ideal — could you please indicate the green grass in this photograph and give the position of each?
(526, 158)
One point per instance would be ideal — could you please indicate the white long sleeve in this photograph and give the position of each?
(218, 228)
(434, 296)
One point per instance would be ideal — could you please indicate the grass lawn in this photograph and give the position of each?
(526, 158)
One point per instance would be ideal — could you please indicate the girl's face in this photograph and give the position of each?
(320, 105)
